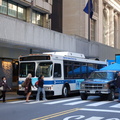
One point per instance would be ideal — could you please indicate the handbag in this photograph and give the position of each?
(23, 84)
(1, 88)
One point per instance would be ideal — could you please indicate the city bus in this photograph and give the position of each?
(63, 71)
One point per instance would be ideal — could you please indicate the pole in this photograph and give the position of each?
(31, 9)
(89, 21)
(30, 50)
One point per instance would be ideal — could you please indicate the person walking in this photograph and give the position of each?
(40, 88)
(5, 87)
(118, 85)
(28, 84)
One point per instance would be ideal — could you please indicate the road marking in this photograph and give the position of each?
(61, 101)
(100, 110)
(57, 114)
(116, 106)
(98, 103)
(75, 103)
(95, 118)
(34, 102)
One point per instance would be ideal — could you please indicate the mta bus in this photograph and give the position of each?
(63, 71)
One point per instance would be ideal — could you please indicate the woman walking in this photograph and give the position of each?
(5, 87)
(40, 88)
(28, 84)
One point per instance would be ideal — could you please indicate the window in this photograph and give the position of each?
(76, 70)
(44, 68)
(57, 70)
(26, 68)
(84, 70)
(68, 71)
(37, 18)
(12, 9)
(21, 13)
(3, 6)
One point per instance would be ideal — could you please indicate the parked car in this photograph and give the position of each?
(99, 83)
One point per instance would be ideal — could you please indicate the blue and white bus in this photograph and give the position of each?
(63, 71)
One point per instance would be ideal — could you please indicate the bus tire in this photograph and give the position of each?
(111, 95)
(83, 96)
(65, 91)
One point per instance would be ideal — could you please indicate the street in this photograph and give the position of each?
(71, 108)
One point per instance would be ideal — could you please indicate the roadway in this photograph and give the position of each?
(58, 108)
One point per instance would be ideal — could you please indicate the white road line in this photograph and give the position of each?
(34, 102)
(75, 103)
(98, 103)
(62, 101)
(116, 106)
(95, 118)
(100, 110)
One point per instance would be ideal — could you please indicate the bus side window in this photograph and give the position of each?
(57, 70)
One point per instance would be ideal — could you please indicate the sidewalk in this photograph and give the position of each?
(13, 95)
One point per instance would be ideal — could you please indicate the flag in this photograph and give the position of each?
(86, 9)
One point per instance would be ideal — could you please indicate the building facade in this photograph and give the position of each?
(104, 26)
(25, 27)
(14, 14)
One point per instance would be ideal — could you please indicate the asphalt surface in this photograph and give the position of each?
(12, 95)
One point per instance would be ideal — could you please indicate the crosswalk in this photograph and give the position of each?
(70, 102)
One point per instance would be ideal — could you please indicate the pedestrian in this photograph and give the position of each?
(28, 84)
(5, 87)
(118, 85)
(40, 88)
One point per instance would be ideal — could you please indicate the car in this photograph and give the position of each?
(99, 83)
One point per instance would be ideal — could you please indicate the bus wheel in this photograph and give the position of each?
(83, 96)
(65, 91)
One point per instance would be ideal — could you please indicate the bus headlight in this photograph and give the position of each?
(48, 87)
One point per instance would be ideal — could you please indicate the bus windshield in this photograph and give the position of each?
(44, 68)
(26, 68)
(102, 75)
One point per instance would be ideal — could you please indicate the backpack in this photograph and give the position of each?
(36, 84)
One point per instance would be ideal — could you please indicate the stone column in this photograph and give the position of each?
(29, 15)
(100, 21)
(111, 27)
(106, 25)
(116, 30)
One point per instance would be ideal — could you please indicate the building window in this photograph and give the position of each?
(37, 18)
(57, 70)
(21, 13)
(12, 9)
(3, 6)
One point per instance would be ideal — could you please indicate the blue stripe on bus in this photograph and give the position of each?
(53, 82)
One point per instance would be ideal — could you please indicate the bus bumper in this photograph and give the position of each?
(48, 93)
